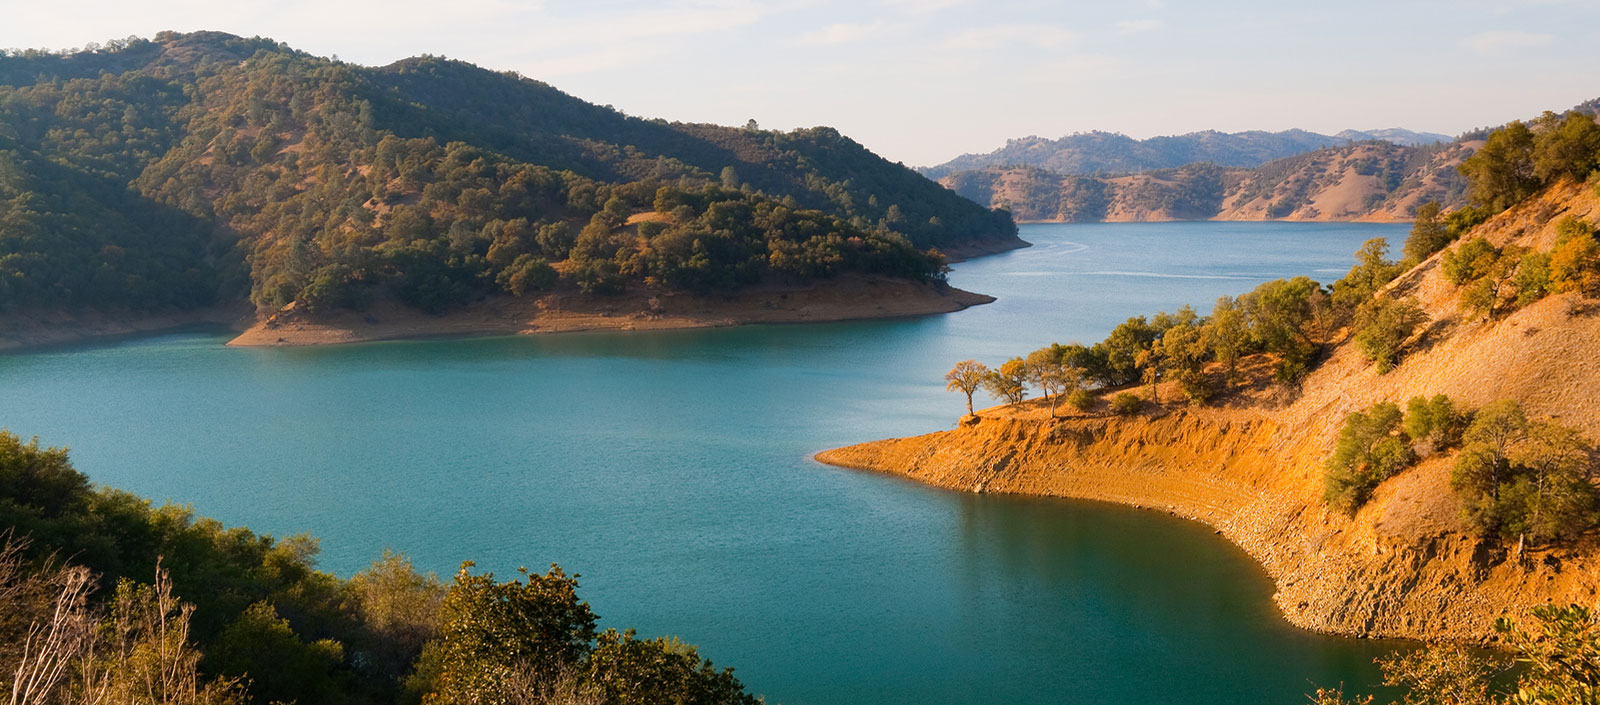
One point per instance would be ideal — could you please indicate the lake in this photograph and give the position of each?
(672, 471)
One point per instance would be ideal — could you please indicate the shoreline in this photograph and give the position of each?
(26, 333)
(847, 298)
(1328, 576)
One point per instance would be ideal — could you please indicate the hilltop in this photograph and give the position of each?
(1098, 152)
(205, 171)
(1378, 181)
(1373, 175)
(1414, 554)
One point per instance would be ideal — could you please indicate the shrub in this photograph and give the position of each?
(1575, 260)
(1369, 451)
(1434, 421)
(1382, 327)
(1082, 399)
(1473, 260)
(1126, 403)
(1532, 280)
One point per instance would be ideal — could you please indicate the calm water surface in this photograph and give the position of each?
(672, 471)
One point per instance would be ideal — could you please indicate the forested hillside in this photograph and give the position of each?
(206, 168)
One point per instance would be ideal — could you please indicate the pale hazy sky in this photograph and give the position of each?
(924, 81)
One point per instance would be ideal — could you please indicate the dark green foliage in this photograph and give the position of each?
(1516, 161)
(224, 572)
(1532, 278)
(1082, 399)
(630, 671)
(1373, 269)
(528, 274)
(1429, 233)
(1566, 147)
(1382, 327)
(1501, 171)
(1520, 478)
(493, 630)
(1126, 403)
(199, 167)
(1434, 421)
(1464, 219)
(278, 664)
(1370, 450)
(1283, 314)
(1473, 260)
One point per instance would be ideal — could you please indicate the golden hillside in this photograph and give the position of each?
(1406, 564)
(1365, 181)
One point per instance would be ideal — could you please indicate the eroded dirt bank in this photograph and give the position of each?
(1401, 568)
(847, 298)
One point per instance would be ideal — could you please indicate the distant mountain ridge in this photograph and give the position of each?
(1115, 153)
(1362, 181)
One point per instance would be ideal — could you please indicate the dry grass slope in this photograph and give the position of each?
(1404, 565)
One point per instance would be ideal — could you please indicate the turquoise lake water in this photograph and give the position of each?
(672, 470)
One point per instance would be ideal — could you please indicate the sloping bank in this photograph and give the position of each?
(849, 297)
(1405, 565)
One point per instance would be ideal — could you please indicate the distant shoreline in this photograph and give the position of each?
(844, 299)
(1356, 221)
(20, 333)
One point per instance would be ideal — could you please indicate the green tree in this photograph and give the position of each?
(1282, 315)
(1524, 479)
(1009, 382)
(1558, 663)
(1383, 325)
(1473, 260)
(966, 377)
(1429, 233)
(630, 671)
(1434, 421)
(1184, 354)
(1567, 148)
(1501, 173)
(1051, 376)
(1126, 404)
(1373, 269)
(492, 630)
(1370, 450)
(1228, 335)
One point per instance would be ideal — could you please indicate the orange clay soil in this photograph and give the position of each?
(1405, 565)
(845, 298)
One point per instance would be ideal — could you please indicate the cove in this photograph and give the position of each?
(672, 471)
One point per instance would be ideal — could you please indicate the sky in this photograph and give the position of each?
(922, 81)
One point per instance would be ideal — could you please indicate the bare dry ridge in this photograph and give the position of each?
(1405, 565)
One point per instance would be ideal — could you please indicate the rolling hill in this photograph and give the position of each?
(1114, 153)
(205, 169)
